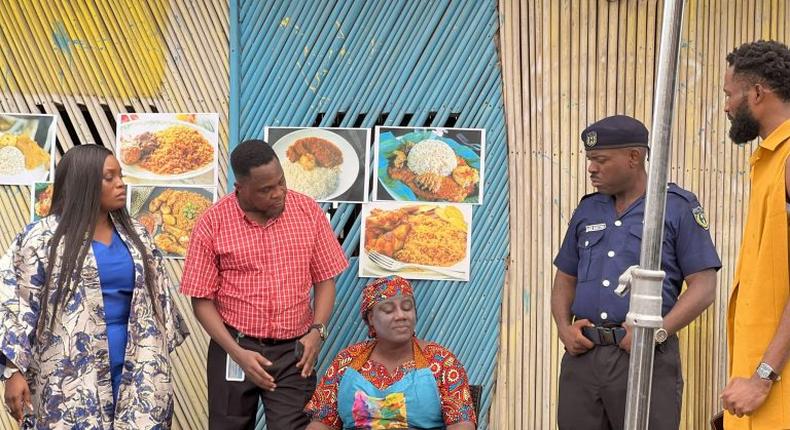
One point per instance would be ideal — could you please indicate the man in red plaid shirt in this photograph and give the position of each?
(253, 258)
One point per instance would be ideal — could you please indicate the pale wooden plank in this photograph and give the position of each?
(615, 63)
(521, 71)
(629, 44)
(640, 80)
(507, 373)
(527, 352)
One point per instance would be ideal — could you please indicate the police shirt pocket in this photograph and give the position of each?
(632, 248)
(587, 243)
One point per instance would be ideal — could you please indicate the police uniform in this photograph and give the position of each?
(599, 246)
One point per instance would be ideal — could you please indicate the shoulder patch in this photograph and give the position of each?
(693, 204)
(699, 217)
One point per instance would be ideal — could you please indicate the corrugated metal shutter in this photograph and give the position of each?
(363, 63)
(565, 65)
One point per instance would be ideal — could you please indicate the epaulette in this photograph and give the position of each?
(685, 194)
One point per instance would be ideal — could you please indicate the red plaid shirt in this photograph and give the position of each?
(260, 276)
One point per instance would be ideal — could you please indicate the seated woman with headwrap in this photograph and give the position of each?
(393, 380)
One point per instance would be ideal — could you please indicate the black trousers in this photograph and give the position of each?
(233, 405)
(593, 389)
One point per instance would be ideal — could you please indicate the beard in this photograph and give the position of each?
(744, 128)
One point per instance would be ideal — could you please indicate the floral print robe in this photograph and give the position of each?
(69, 375)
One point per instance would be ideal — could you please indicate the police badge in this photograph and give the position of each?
(592, 139)
(699, 216)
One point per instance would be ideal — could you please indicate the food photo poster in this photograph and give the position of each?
(169, 213)
(416, 240)
(327, 164)
(40, 200)
(429, 164)
(168, 148)
(27, 148)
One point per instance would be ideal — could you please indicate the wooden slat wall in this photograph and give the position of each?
(89, 60)
(566, 64)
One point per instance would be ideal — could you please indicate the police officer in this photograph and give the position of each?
(604, 239)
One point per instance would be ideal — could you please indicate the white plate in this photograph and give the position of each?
(349, 169)
(39, 174)
(375, 270)
(131, 129)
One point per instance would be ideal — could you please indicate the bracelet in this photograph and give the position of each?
(8, 373)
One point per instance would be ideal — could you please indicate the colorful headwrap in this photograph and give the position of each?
(382, 289)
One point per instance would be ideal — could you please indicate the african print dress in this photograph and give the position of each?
(429, 392)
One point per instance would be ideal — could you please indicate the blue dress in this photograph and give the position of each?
(116, 274)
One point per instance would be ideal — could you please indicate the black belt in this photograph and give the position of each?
(260, 340)
(604, 335)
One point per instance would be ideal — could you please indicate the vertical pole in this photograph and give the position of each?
(644, 314)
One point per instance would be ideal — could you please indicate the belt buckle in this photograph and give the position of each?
(606, 335)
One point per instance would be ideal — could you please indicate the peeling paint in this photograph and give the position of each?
(77, 53)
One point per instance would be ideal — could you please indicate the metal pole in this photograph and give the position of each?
(645, 304)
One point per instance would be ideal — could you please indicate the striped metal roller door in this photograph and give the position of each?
(366, 63)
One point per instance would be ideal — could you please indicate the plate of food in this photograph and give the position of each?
(25, 149)
(424, 166)
(42, 200)
(317, 162)
(430, 241)
(169, 214)
(164, 149)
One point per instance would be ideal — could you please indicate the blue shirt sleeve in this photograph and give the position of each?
(567, 259)
(695, 249)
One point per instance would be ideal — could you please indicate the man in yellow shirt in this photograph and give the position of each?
(757, 90)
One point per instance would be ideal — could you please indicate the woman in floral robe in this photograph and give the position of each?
(54, 353)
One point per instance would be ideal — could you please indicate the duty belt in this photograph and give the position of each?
(604, 335)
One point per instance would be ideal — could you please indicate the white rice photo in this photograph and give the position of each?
(12, 161)
(318, 182)
(429, 164)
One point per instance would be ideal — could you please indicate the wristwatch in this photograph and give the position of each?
(660, 336)
(766, 372)
(321, 330)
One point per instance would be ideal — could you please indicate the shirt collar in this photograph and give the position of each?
(234, 199)
(240, 212)
(781, 134)
(609, 202)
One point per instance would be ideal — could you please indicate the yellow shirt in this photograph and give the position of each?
(762, 282)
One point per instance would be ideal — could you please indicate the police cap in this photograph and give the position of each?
(617, 131)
